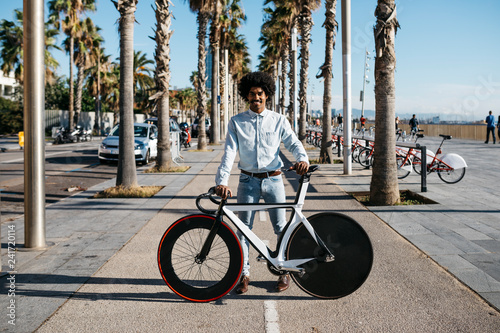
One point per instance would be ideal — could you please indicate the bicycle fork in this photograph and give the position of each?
(205, 249)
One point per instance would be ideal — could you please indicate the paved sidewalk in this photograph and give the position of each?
(462, 231)
(100, 245)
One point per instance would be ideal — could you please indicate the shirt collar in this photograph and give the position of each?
(255, 114)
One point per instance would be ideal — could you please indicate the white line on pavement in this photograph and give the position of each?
(22, 159)
(271, 317)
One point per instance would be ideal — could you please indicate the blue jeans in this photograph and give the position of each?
(250, 190)
(492, 130)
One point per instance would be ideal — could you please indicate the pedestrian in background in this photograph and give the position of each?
(498, 126)
(413, 124)
(397, 123)
(490, 127)
(363, 121)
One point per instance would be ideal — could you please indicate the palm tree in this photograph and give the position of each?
(110, 82)
(202, 7)
(384, 189)
(162, 78)
(86, 39)
(281, 21)
(215, 35)
(142, 73)
(239, 66)
(331, 26)
(11, 54)
(97, 76)
(72, 9)
(232, 18)
(305, 23)
(126, 174)
(193, 78)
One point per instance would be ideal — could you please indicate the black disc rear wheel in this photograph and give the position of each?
(347, 241)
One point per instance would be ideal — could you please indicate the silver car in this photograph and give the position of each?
(145, 138)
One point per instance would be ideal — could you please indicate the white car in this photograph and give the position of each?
(145, 138)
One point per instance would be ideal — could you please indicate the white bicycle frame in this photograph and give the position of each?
(279, 261)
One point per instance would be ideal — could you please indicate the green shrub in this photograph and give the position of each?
(11, 116)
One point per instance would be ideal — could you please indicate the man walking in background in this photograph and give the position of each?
(490, 127)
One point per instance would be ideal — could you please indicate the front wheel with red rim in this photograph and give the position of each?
(185, 274)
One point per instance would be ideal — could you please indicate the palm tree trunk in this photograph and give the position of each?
(215, 132)
(79, 91)
(162, 57)
(202, 79)
(71, 83)
(384, 188)
(284, 73)
(126, 174)
(291, 80)
(326, 155)
(305, 27)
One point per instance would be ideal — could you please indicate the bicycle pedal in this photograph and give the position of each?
(261, 258)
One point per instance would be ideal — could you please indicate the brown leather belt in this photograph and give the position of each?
(262, 174)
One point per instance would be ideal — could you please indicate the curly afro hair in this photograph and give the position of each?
(256, 79)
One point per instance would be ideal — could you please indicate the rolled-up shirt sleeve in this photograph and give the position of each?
(292, 143)
(230, 150)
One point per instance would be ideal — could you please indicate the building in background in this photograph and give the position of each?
(7, 85)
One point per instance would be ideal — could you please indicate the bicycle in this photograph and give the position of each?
(406, 156)
(450, 167)
(328, 255)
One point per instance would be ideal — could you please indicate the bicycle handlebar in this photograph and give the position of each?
(210, 194)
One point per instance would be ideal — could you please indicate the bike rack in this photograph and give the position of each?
(423, 151)
(368, 139)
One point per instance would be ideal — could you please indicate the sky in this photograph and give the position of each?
(447, 52)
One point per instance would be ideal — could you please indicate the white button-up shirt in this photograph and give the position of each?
(257, 138)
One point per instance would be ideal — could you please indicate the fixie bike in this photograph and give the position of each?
(329, 255)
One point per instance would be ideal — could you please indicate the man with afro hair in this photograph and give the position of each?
(256, 135)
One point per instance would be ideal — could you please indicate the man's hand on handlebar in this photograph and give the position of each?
(223, 191)
(300, 168)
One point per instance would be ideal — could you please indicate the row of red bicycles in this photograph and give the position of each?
(450, 167)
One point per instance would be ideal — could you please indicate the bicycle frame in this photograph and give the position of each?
(277, 258)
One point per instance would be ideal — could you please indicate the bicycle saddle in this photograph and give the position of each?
(420, 135)
(446, 137)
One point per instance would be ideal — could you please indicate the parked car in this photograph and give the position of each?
(194, 127)
(145, 138)
(174, 126)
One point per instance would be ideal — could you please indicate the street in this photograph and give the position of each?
(67, 166)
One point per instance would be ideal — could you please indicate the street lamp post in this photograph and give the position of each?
(34, 135)
(346, 67)
(294, 83)
(365, 81)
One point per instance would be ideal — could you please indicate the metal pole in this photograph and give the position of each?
(294, 83)
(34, 136)
(226, 90)
(278, 88)
(346, 67)
(364, 86)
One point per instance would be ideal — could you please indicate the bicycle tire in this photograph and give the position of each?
(402, 171)
(355, 153)
(194, 281)
(417, 166)
(366, 157)
(351, 247)
(450, 176)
